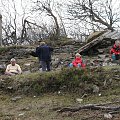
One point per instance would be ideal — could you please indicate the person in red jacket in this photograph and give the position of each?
(77, 62)
(115, 51)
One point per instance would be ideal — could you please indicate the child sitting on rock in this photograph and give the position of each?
(77, 62)
(115, 51)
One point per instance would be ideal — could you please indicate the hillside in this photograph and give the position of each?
(41, 95)
(58, 94)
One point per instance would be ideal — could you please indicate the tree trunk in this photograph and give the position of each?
(0, 30)
(57, 34)
(23, 34)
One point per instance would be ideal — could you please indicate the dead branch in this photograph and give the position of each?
(114, 112)
(91, 107)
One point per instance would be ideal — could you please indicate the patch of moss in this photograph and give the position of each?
(3, 50)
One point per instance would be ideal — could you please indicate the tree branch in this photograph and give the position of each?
(92, 107)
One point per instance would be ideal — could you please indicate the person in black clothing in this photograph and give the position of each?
(44, 54)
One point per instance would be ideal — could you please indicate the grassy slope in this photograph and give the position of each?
(40, 107)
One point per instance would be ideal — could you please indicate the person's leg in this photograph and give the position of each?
(48, 65)
(43, 64)
(9, 73)
(117, 57)
(70, 65)
(113, 57)
(78, 65)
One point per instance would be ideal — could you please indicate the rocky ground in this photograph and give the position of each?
(61, 57)
(19, 106)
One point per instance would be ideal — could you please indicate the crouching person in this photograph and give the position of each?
(115, 51)
(13, 68)
(77, 62)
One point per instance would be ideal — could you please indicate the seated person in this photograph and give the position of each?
(77, 62)
(13, 68)
(115, 51)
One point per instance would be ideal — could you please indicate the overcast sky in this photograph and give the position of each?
(22, 9)
(24, 6)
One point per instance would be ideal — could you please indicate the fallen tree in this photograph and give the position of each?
(92, 107)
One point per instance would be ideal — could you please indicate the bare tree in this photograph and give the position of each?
(45, 7)
(59, 10)
(32, 29)
(12, 21)
(98, 13)
(0, 30)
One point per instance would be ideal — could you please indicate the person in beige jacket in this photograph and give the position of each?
(13, 68)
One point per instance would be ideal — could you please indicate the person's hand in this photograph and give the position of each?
(11, 74)
(110, 58)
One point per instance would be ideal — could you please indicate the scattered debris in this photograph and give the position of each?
(108, 116)
(79, 100)
(85, 95)
(99, 94)
(10, 88)
(16, 98)
(95, 89)
(25, 109)
(21, 114)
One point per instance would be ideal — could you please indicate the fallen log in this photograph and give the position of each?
(91, 107)
(99, 41)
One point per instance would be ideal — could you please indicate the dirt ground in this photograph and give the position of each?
(41, 107)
